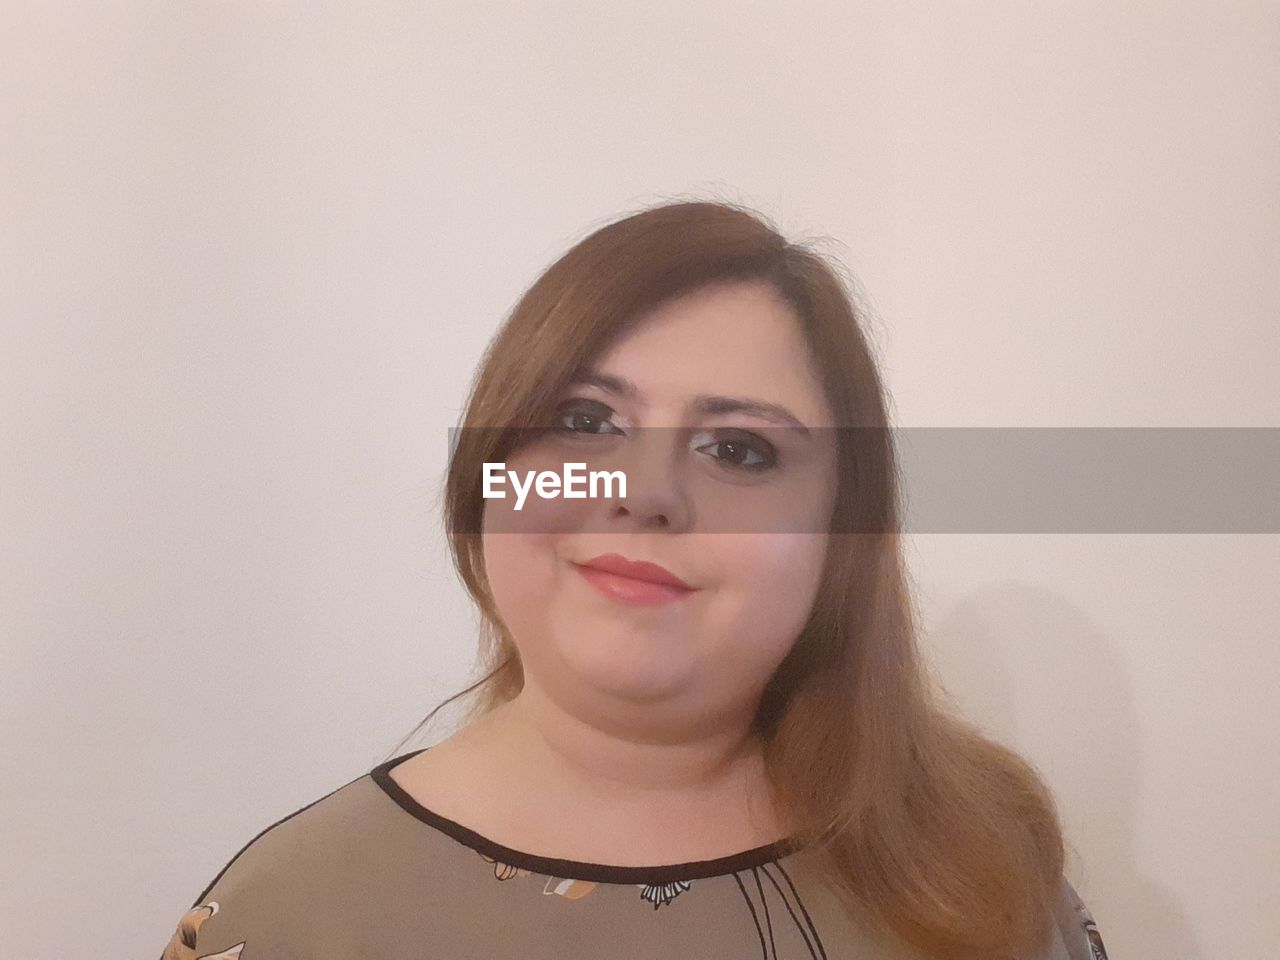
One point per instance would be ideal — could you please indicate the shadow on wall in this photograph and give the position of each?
(1037, 675)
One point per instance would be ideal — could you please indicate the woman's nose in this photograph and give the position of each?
(656, 495)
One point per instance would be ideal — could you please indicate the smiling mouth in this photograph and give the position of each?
(632, 590)
(635, 569)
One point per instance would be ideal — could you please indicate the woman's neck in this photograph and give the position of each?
(577, 791)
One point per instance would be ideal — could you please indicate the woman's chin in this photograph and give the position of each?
(632, 668)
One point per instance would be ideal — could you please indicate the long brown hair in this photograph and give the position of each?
(928, 832)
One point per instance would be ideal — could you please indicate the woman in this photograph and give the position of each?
(703, 729)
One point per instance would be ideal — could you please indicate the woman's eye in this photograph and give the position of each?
(587, 419)
(743, 452)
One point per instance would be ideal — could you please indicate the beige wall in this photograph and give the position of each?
(252, 252)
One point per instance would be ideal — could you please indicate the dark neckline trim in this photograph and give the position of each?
(573, 869)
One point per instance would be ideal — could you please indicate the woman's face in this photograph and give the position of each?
(734, 502)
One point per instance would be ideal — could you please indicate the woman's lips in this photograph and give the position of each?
(631, 590)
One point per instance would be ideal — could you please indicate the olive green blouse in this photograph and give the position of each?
(367, 873)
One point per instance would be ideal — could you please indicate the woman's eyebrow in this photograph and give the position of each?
(708, 404)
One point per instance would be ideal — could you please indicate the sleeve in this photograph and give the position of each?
(185, 943)
(281, 896)
(1079, 932)
(245, 907)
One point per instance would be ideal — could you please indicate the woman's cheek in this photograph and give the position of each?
(520, 568)
(779, 576)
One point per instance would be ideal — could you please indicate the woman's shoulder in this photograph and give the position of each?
(322, 829)
(286, 877)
